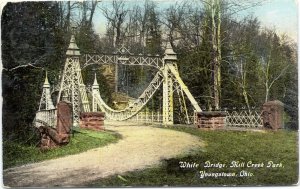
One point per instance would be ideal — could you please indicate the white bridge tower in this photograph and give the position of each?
(171, 81)
(71, 86)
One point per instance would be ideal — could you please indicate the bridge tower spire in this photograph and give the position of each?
(72, 86)
(95, 92)
(46, 101)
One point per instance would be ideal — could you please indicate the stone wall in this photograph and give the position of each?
(92, 120)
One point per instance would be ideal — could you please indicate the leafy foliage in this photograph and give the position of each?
(31, 39)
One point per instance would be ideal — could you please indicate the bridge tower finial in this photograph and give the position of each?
(169, 52)
(46, 83)
(95, 92)
(95, 81)
(46, 101)
(73, 49)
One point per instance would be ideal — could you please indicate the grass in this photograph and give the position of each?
(15, 154)
(223, 147)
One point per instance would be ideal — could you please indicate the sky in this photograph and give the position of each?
(279, 14)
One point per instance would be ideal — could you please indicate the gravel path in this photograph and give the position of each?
(140, 148)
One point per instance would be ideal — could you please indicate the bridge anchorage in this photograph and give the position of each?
(73, 89)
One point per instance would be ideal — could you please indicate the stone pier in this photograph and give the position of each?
(211, 119)
(92, 120)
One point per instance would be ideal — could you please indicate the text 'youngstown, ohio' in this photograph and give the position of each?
(243, 173)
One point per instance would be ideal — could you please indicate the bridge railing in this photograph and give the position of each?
(244, 118)
(154, 117)
(45, 117)
(147, 117)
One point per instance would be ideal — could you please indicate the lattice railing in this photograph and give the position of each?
(154, 117)
(45, 118)
(154, 61)
(244, 118)
(147, 117)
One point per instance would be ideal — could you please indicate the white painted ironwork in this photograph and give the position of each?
(133, 108)
(123, 56)
(146, 116)
(185, 88)
(46, 101)
(72, 86)
(95, 92)
(45, 118)
(152, 117)
(167, 97)
(244, 118)
(168, 74)
(181, 99)
(171, 75)
(46, 114)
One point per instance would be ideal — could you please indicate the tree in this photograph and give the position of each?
(30, 45)
(217, 10)
(88, 9)
(273, 65)
(153, 37)
(213, 16)
(116, 18)
(240, 63)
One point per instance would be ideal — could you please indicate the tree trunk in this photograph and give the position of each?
(117, 45)
(216, 50)
(84, 12)
(267, 93)
(219, 57)
(67, 22)
(60, 6)
(246, 98)
(93, 8)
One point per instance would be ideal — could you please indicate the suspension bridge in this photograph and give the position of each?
(73, 89)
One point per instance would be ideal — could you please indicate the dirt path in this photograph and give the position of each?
(141, 147)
